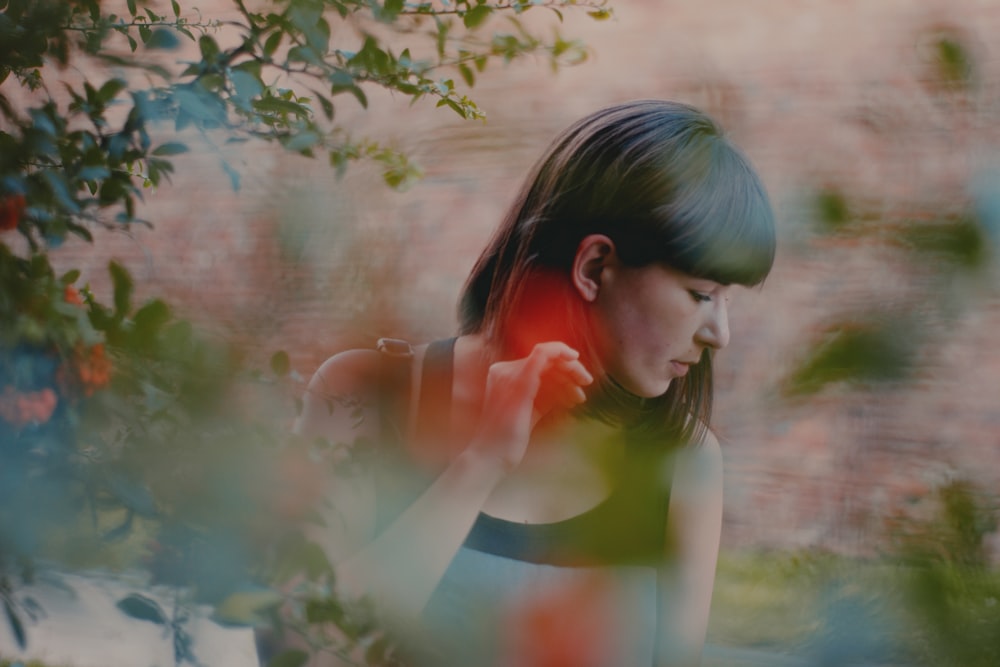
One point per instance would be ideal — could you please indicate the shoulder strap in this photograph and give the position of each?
(434, 399)
(434, 402)
(394, 380)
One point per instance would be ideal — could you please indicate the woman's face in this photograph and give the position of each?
(653, 322)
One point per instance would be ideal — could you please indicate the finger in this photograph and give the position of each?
(560, 391)
(574, 396)
(576, 371)
(544, 354)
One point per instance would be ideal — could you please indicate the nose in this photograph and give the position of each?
(714, 332)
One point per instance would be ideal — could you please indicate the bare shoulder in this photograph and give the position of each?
(348, 370)
(342, 393)
(708, 450)
(699, 466)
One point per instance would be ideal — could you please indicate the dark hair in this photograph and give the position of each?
(666, 186)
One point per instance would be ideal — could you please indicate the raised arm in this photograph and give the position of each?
(401, 566)
(694, 523)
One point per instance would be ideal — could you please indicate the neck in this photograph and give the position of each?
(611, 403)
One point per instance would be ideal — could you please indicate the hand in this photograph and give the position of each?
(520, 393)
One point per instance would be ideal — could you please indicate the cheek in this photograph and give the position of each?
(638, 337)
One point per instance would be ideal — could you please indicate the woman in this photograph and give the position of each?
(567, 493)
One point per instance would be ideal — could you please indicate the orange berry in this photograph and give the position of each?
(7, 219)
(11, 209)
(72, 295)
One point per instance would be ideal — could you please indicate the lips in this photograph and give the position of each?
(680, 368)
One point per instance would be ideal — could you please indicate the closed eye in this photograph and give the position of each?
(700, 297)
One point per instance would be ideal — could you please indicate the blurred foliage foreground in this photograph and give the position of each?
(128, 437)
(931, 599)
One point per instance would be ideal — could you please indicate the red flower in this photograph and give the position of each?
(19, 408)
(72, 295)
(11, 209)
(94, 370)
(90, 371)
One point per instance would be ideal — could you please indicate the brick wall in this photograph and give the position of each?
(818, 93)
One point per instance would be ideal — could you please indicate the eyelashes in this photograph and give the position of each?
(700, 297)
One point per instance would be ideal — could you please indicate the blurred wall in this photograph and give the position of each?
(820, 94)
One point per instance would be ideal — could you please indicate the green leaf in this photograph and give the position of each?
(280, 364)
(172, 148)
(149, 320)
(142, 608)
(280, 106)
(314, 561)
(856, 352)
(304, 54)
(401, 175)
(833, 210)
(391, 10)
(467, 75)
(122, 282)
(600, 14)
(16, 626)
(454, 106)
(93, 173)
(110, 89)
(326, 610)
(162, 38)
(354, 90)
(474, 17)
(234, 176)
(441, 38)
(962, 242)
(176, 7)
(60, 191)
(302, 141)
(131, 7)
(199, 104)
(291, 658)
(80, 231)
(326, 104)
(246, 85)
(954, 61)
(209, 47)
(70, 277)
(246, 607)
(272, 42)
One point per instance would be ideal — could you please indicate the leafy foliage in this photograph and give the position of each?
(87, 159)
(950, 589)
(123, 427)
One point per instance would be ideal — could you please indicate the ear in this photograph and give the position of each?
(594, 254)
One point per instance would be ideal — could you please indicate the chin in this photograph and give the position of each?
(648, 389)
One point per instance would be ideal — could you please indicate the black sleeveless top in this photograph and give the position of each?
(628, 527)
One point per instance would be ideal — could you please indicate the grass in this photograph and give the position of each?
(824, 609)
(769, 600)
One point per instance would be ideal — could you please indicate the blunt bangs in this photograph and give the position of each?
(731, 237)
(716, 221)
